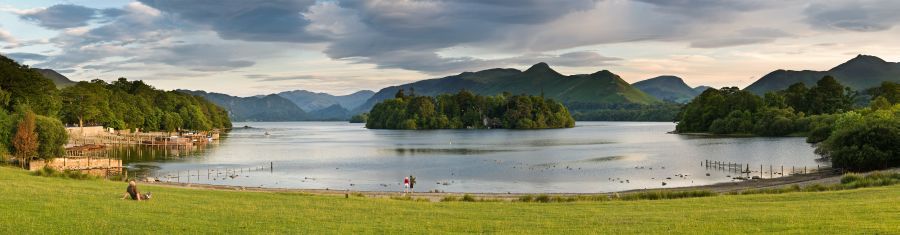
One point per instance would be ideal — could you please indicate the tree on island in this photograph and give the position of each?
(468, 110)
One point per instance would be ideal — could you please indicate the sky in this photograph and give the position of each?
(251, 47)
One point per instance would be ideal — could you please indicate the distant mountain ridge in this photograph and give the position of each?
(269, 108)
(668, 88)
(859, 73)
(600, 88)
(58, 79)
(312, 101)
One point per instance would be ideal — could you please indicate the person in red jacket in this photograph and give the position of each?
(405, 184)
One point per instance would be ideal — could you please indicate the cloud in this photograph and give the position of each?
(859, 16)
(743, 37)
(198, 57)
(6, 37)
(257, 20)
(63, 16)
(23, 56)
(571, 59)
(272, 78)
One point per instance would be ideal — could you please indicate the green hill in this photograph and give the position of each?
(859, 73)
(602, 88)
(670, 88)
(271, 108)
(58, 79)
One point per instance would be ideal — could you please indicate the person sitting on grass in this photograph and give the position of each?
(134, 193)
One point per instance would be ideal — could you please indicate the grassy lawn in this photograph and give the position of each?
(39, 205)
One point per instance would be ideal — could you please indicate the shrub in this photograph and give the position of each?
(542, 198)
(657, 195)
(468, 198)
(449, 198)
(69, 174)
(526, 198)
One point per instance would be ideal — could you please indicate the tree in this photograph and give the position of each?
(468, 110)
(53, 137)
(4, 99)
(26, 139)
(864, 140)
(828, 96)
(889, 90)
(85, 101)
(28, 87)
(795, 96)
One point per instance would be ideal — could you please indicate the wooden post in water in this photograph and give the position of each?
(770, 172)
(271, 165)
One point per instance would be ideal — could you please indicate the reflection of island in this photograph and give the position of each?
(469, 111)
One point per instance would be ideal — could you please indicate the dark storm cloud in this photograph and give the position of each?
(860, 16)
(430, 25)
(64, 16)
(258, 20)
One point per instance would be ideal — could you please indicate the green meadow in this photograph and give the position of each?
(41, 205)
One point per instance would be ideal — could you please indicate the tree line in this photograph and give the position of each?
(854, 137)
(33, 110)
(125, 104)
(468, 110)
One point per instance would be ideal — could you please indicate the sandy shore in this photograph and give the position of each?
(825, 177)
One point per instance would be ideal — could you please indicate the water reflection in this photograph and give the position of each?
(593, 157)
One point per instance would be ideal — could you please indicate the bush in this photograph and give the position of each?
(468, 198)
(542, 198)
(52, 137)
(449, 198)
(863, 148)
(69, 174)
(657, 195)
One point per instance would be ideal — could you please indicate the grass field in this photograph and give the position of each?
(40, 205)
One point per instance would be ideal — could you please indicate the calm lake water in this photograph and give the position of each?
(592, 157)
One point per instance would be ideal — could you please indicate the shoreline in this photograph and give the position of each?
(826, 176)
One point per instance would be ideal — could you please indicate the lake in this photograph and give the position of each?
(592, 157)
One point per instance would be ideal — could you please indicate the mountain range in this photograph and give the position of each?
(312, 101)
(281, 107)
(581, 90)
(859, 73)
(268, 108)
(669, 88)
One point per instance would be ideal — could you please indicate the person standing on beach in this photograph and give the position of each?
(412, 183)
(405, 184)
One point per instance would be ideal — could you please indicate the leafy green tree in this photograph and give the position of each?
(171, 122)
(889, 90)
(28, 87)
(85, 101)
(864, 140)
(53, 137)
(828, 96)
(467, 110)
(194, 119)
(795, 96)
(4, 98)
